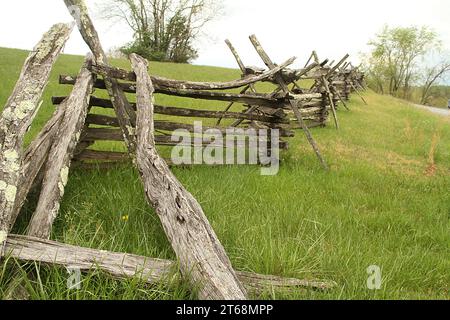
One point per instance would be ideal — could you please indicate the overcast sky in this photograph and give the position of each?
(285, 27)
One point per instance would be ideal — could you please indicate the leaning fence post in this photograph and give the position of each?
(18, 114)
(61, 153)
(293, 106)
(202, 258)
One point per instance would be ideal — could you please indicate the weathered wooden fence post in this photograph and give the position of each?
(18, 115)
(204, 261)
(269, 63)
(123, 109)
(327, 89)
(202, 258)
(61, 153)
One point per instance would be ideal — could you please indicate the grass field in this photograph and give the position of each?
(385, 202)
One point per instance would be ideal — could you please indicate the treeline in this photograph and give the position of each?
(439, 96)
(408, 63)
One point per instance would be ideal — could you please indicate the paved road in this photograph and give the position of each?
(439, 111)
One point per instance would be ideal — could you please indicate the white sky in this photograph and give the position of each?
(285, 27)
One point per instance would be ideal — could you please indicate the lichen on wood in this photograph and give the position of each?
(202, 257)
(19, 112)
(57, 168)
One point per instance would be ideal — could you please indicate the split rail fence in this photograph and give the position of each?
(74, 128)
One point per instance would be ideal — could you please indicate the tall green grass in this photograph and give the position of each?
(385, 202)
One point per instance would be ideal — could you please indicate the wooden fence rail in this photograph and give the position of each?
(302, 98)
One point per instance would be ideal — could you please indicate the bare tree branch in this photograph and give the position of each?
(163, 29)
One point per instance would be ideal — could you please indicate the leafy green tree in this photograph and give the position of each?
(164, 30)
(431, 76)
(393, 63)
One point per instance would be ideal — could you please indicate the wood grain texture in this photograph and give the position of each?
(276, 117)
(61, 153)
(124, 112)
(150, 270)
(179, 90)
(18, 114)
(100, 120)
(202, 258)
(161, 83)
(34, 159)
(294, 104)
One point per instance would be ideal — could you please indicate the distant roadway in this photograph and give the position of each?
(439, 111)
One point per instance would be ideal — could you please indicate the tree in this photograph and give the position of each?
(392, 62)
(432, 75)
(164, 30)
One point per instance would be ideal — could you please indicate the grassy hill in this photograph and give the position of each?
(386, 202)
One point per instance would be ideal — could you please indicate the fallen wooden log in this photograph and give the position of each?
(247, 98)
(149, 270)
(61, 154)
(202, 258)
(256, 99)
(270, 101)
(252, 99)
(98, 84)
(18, 114)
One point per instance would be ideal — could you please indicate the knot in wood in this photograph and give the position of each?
(181, 219)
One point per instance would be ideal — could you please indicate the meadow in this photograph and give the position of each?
(385, 202)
